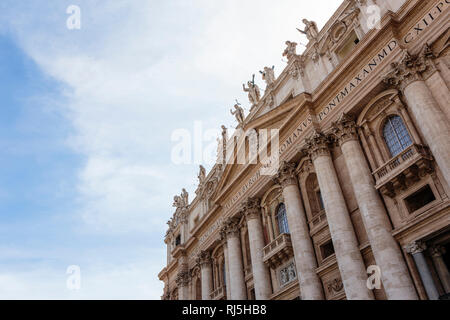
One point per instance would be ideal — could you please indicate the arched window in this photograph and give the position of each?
(396, 135)
(282, 219)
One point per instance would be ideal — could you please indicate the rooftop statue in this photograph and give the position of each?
(311, 31)
(238, 113)
(254, 95)
(268, 75)
(202, 174)
(291, 50)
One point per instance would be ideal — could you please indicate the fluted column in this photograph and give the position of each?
(237, 280)
(436, 253)
(409, 75)
(205, 262)
(416, 249)
(348, 255)
(261, 276)
(305, 259)
(388, 256)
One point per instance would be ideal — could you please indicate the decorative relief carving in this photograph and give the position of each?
(286, 174)
(318, 145)
(204, 259)
(183, 278)
(230, 228)
(335, 286)
(437, 251)
(416, 247)
(288, 274)
(411, 68)
(297, 69)
(252, 208)
(345, 129)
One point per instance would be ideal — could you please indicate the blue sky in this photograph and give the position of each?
(86, 118)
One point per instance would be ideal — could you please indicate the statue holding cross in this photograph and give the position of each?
(254, 94)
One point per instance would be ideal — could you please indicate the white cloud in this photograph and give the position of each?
(136, 71)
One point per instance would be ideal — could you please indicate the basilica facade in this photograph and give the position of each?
(357, 207)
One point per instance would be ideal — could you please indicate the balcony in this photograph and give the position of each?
(219, 294)
(403, 170)
(278, 251)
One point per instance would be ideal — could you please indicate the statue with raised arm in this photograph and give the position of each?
(254, 95)
(202, 174)
(311, 31)
(268, 75)
(238, 113)
(291, 50)
(185, 197)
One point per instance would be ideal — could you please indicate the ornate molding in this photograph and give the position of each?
(317, 145)
(252, 208)
(345, 129)
(411, 68)
(437, 251)
(230, 228)
(183, 278)
(204, 259)
(415, 247)
(286, 174)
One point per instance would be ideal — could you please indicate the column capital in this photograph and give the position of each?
(317, 145)
(251, 208)
(230, 228)
(437, 251)
(345, 129)
(411, 68)
(183, 278)
(204, 259)
(286, 174)
(415, 247)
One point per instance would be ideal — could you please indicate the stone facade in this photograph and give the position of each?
(360, 195)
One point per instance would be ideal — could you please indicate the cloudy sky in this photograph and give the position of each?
(86, 124)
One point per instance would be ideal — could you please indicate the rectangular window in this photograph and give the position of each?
(326, 250)
(178, 240)
(419, 199)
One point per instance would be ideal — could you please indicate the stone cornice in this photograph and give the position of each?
(411, 68)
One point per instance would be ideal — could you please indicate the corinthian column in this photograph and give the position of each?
(416, 249)
(182, 280)
(261, 276)
(237, 281)
(205, 262)
(305, 259)
(441, 268)
(409, 75)
(348, 255)
(396, 280)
